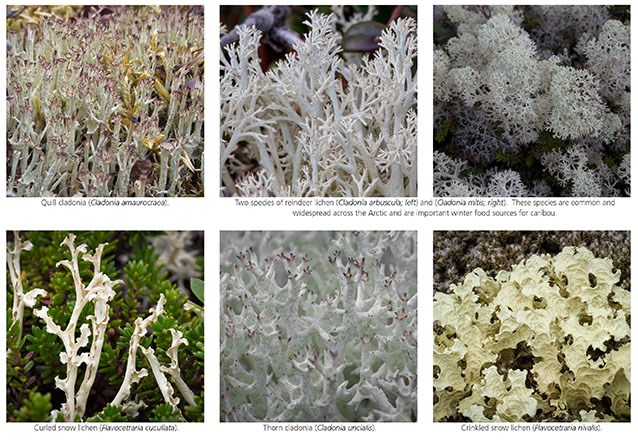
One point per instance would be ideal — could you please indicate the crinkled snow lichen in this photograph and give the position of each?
(318, 326)
(547, 341)
(313, 125)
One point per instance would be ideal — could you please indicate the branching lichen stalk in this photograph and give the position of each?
(99, 291)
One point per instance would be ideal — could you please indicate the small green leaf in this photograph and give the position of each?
(35, 408)
(197, 286)
(442, 134)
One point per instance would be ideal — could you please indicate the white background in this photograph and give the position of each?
(213, 214)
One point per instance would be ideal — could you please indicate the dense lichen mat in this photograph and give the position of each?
(531, 101)
(547, 340)
(318, 326)
(105, 101)
(321, 120)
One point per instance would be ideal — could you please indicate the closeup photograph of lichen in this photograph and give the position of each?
(105, 326)
(532, 326)
(318, 326)
(318, 101)
(531, 101)
(105, 101)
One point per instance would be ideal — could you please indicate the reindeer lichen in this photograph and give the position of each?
(315, 124)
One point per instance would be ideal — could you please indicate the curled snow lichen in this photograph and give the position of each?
(547, 341)
(318, 326)
(78, 358)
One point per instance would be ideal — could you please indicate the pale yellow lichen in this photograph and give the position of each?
(546, 340)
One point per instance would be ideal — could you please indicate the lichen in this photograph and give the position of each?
(105, 101)
(521, 91)
(83, 334)
(548, 340)
(315, 124)
(318, 326)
